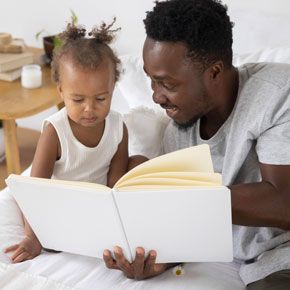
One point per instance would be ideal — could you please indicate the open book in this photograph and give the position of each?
(174, 204)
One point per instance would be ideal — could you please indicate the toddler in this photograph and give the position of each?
(84, 141)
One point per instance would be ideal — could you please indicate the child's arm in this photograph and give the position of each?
(46, 154)
(119, 162)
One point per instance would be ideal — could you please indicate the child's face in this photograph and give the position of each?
(87, 93)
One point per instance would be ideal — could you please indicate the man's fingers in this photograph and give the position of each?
(151, 268)
(150, 262)
(138, 264)
(121, 261)
(109, 261)
(11, 248)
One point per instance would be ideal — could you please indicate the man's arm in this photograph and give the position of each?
(265, 203)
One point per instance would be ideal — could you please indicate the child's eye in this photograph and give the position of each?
(78, 101)
(100, 99)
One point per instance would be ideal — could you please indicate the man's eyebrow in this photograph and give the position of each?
(159, 78)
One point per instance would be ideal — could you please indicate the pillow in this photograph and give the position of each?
(134, 85)
(146, 129)
(277, 54)
(119, 103)
(145, 120)
(11, 223)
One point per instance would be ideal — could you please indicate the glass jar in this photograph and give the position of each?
(31, 76)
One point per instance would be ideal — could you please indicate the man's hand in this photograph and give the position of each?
(29, 248)
(140, 268)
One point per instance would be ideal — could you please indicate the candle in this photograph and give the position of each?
(31, 76)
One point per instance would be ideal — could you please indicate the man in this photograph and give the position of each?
(244, 116)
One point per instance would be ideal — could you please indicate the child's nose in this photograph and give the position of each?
(89, 106)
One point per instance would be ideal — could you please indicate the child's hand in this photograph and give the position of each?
(29, 248)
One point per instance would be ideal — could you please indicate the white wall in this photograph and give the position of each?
(258, 23)
(25, 18)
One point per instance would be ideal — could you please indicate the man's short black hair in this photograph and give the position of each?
(202, 24)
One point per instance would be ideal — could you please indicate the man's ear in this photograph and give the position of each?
(216, 69)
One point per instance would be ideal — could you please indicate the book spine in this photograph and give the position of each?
(128, 250)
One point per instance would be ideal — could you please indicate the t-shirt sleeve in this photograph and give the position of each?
(169, 139)
(273, 145)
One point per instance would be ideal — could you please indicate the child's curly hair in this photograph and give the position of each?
(87, 52)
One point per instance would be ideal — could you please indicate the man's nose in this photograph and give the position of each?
(158, 96)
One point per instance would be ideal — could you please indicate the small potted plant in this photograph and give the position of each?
(50, 42)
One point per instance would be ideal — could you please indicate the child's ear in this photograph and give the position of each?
(59, 90)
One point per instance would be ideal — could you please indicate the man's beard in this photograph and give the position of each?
(185, 126)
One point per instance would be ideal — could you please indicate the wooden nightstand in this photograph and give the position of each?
(18, 102)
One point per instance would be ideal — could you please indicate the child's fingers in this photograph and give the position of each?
(11, 248)
(19, 251)
(22, 257)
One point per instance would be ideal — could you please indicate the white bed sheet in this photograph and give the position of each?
(87, 273)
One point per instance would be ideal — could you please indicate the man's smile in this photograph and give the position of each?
(171, 111)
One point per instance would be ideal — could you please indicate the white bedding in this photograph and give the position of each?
(64, 271)
(67, 271)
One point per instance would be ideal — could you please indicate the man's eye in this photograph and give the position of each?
(169, 86)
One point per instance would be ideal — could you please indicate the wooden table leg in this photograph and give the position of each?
(11, 147)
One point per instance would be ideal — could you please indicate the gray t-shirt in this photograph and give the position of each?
(257, 130)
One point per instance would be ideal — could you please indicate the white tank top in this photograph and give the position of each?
(81, 163)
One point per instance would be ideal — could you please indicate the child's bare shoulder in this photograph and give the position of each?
(49, 138)
(49, 132)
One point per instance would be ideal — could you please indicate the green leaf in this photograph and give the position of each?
(57, 42)
(38, 34)
(74, 18)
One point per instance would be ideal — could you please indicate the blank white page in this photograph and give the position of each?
(68, 217)
(190, 225)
